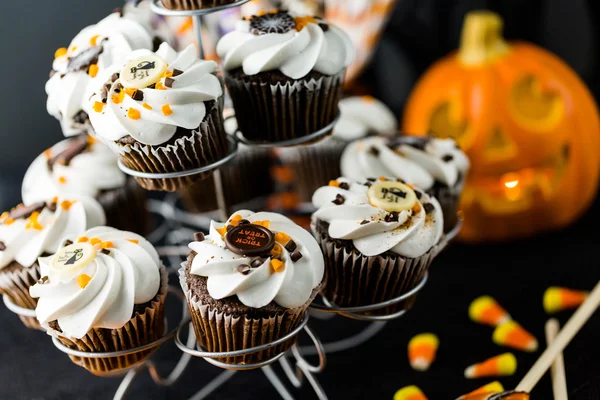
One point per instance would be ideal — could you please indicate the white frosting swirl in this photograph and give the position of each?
(289, 288)
(372, 157)
(197, 84)
(129, 274)
(87, 174)
(363, 115)
(294, 53)
(66, 89)
(413, 235)
(25, 241)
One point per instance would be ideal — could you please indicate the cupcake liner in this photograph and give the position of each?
(283, 111)
(218, 331)
(141, 329)
(353, 279)
(245, 178)
(125, 208)
(200, 147)
(448, 197)
(194, 4)
(314, 165)
(15, 281)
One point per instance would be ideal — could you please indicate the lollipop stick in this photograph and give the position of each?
(557, 371)
(579, 318)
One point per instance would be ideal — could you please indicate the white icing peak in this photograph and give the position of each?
(155, 119)
(413, 234)
(128, 274)
(363, 115)
(26, 239)
(87, 174)
(295, 53)
(117, 36)
(440, 160)
(290, 286)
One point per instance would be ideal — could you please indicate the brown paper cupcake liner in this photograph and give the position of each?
(353, 279)
(15, 281)
(141, 329)
(198, 148)
(283, 111)
(218, 331)
(314, 166)
(125, 208)
(448, 197)
(245, 178)
(194, 4)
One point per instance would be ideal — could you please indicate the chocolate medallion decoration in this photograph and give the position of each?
(250, 240)
(72, 258)
(392, 196)
(143, 71)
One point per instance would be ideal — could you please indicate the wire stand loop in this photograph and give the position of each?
(157, 7)
(21, 311)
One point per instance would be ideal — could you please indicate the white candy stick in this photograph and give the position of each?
(557, 371)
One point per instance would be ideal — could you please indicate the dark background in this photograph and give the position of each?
(516, 274)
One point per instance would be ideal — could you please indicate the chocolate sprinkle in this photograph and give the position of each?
(291, 246)
(364, 222)
(243, 269)
(120, 11)
(2, 246)
(104, 95)
(105, 251)
(339, 200)
(83, 60)
(177, 72)
(51, 206)
(25, 212)
(243, 222)
(68, 243)
(295, 256)
(428, 207)
(392, 217)
(448, 158)
(374, 151)
(199, 237)
(138, 95)
(412, 141)
(169, 82)
(279, 22)
(323, 26)
(418, 194)
(75, 148)
(118, 87)
(344, 185)
(42, 280)
(257, 262)
(371, 179)
(81, 117)
(114, 77)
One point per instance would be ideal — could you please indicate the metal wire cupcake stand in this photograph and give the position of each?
(175, 229)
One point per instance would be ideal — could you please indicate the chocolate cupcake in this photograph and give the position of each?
(316, 164)
(285, 74)
(250, 283)
(437, 166)
(95, 48)
(195, 4)
(29, 232)
(82, 166)
(378, 238)
(162, 113)
(104, 292)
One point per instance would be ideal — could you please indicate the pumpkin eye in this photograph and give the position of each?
(534, 108)
(445, 123)
(499, 146)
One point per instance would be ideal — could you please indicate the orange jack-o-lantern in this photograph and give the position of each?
(528, 123)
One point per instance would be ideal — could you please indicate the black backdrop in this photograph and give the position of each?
(516, 274)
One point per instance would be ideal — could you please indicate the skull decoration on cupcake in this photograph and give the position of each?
(161, 112)
(257, 269)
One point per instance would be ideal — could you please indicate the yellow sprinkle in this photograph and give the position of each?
(94, 39)
(83, 239)
(62, 180)
(282, 238)
(95, 241)
(93, 70)
(222, 231)
(33, 222)
(106, 245)
(133, 241)
(166, 109)
(276, 251)
(277, 265)
(118, 98)
(130, 91)
(66, 205)
(98, 106)
(73, 49)
(160, 86)
(83, 280)
(264, 224)
(147, 106)
(133, 113)
(9, 221)
(334, 183)
(60, 52)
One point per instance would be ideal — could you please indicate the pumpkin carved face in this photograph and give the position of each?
(526, 121)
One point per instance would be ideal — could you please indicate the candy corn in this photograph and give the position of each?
(511, 334)
(421, 351)
(510, 395)
(502, 365)
(409, 393)
(559, 298)
(492, 387)
(485, 310)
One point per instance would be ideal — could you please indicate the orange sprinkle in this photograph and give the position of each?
(166, 109)
(55, 199)
(33, 222)
(98, 106)
(91, 140)
(368, 99)
(130, 92)
(282, 238)
(222, 231)
(147, 106)
(276, 251)
(60, 52)
(301, 22)
(167, 74)
(94, 39)
(416, 208)
(83, 239)
(277, 265)
(264, 224)
(135, 241)
(106, 245)
(133, 113)
(118, 98)
(48, 154)
(62, 180)
(9, 221)
(95, 241)
(4, 215)
(93, 70)
(282, 174)
(66, 205)
(382, 178)
(160, 86)
(235, 220)
(83, 280)
(334, 183)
